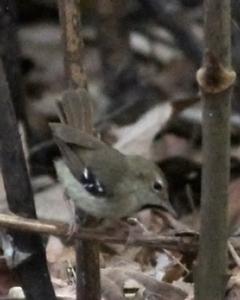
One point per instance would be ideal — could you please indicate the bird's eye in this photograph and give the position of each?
(157, 185)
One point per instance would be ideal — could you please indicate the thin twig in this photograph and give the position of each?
(176, 260)
(184, 244)
(234, 254)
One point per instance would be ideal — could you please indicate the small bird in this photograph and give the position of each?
(99, 179)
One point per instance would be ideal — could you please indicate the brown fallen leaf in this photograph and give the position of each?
(110, 290)
(233, 288)
(165, 290)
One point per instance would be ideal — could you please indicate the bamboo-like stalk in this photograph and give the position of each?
(215, 79)
(87, 252)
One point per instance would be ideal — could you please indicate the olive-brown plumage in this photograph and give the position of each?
(99, 179)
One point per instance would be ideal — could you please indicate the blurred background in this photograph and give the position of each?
(141, 57)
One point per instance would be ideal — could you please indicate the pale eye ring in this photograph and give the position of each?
(157, 185)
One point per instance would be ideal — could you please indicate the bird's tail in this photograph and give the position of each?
(75, 110)
(76, 127)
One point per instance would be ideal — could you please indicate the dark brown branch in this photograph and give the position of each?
(10, 54)
(33, 273)
(215, 79)
(87, 253)
(70, 17)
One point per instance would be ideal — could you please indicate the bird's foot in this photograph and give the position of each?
(73, 228)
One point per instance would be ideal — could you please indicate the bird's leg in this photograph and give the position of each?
(73, 224)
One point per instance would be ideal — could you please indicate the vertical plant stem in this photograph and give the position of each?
(70, 18)
(87, 252)
(215, 79)
(10, 54)
(33, 272)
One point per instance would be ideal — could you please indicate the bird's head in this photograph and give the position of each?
(150, 184)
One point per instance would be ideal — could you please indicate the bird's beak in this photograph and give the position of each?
(164, 206)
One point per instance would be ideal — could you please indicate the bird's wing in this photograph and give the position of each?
(108, 166)
(72, 160)
(81, 150)
(73, 143)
